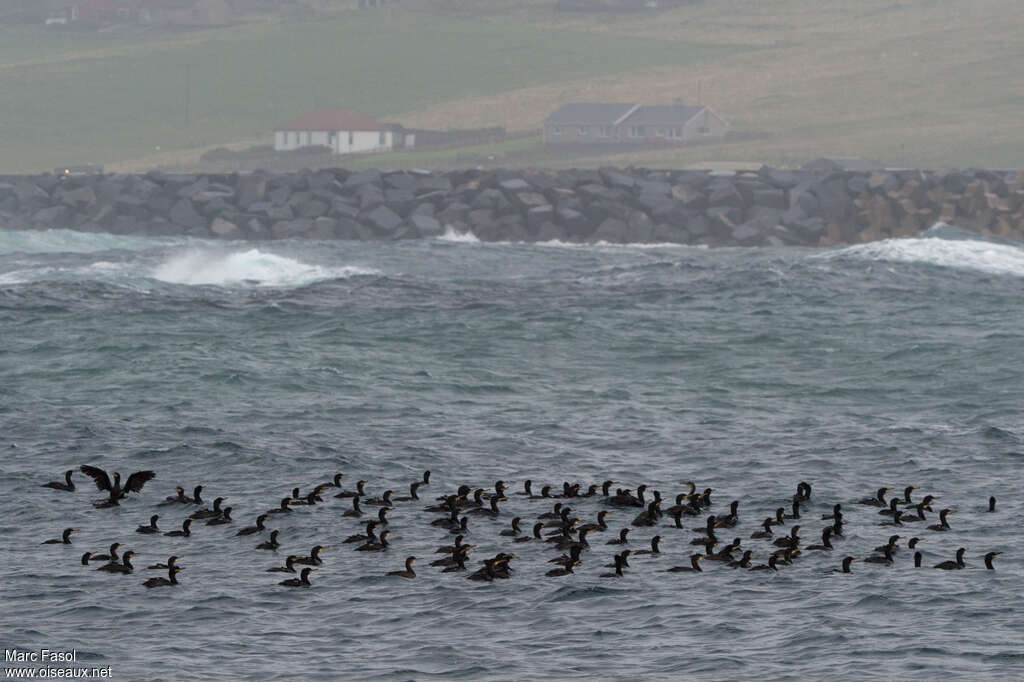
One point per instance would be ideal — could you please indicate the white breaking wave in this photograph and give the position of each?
(251, 267)
(453, 235)
(1000, 259)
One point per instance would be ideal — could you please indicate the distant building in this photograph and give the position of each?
(341, 130)
(603, 123)
(185, 13)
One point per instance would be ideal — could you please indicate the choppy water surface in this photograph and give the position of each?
(255, 368)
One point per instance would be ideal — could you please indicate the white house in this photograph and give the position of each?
(342, 130)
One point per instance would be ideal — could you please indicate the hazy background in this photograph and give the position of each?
(915, 82)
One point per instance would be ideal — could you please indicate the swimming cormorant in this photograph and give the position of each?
(878, 500)
(892, 508)
(67, 486)
(897, 520)
(358, 492)
(225, 517)
(772, 565)
(64, 539)
(171, 578)
(208, 513)
(382, 501)
(112, 556)
(301, 581)
(314, 556)
(943, 524)
(991, 504)
(378, 545)
(622, 539)
(559, 572)
(618, 570)
(258, 528)
(952, 565)
(601, 524)
(413, 495)
(536, 534)
(124, 567)
(514, 530)
(171, 560)
(744, 561)
(886, 560)
(694, 566)
(151, 528)
(655, 541)
(891, 544)
(183, 533)
(355, 511)
(917, 559)
(730, 519)
(272, 543)
(791, 540)
(179, 497)
(408, 572)
(836, 512)
(283, 508)
(766, 533)
(493, 511)
(846, 565)
(826, 542)
(85, 558)
(363, 537)
(988, 560)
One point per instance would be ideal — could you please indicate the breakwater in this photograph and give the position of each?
(770, 206)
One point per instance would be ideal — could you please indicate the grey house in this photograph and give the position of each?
(603, 123)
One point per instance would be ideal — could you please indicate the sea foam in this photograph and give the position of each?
(982, 256)
(249, 267)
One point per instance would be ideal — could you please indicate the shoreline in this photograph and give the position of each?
(766, 207)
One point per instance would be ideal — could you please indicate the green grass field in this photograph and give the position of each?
(78, 98)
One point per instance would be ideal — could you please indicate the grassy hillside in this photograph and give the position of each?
(72, 98)
(914, 82)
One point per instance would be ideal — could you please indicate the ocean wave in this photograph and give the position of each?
(249, 267)
(968, 254)
(69, 241)
(454, 236)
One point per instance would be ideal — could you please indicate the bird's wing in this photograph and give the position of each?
(99, 476)
(137, 480)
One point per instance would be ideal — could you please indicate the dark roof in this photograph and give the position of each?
(334, 119)
(663, 115)
(588, 113)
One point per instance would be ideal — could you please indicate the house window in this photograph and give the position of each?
(662, 133)
(582, 130)
(704, 130)
(383, 139)
(556, 130)
(604, 131)
(351, 138)
(306, 135)
(294, 139)
(636, 131)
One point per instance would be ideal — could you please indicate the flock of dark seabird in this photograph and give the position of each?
(558, 527)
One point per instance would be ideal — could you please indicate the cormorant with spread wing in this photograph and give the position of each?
(117, 492)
